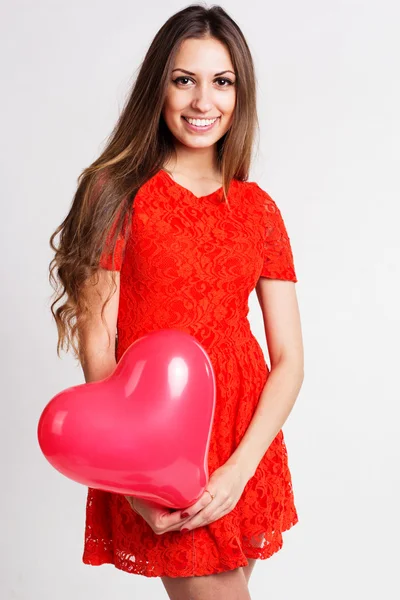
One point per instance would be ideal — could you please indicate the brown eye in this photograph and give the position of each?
(225, 79)
(179, 79)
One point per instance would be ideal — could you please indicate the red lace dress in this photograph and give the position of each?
(190, 263)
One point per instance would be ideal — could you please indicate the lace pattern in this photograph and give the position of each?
(190, 263)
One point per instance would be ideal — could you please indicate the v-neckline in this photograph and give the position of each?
(168, 177)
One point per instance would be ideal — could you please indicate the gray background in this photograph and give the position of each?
(328, 77)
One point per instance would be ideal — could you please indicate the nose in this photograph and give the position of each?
(202, 98)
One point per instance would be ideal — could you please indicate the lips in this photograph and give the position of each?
(206, 118)
(200, 118)
(200, 128)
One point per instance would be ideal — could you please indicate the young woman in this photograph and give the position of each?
(166, 231)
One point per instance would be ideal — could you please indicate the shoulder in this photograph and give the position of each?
(259, 197)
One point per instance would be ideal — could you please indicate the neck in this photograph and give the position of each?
(201, 162)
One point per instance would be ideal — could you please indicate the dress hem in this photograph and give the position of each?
(258, 554)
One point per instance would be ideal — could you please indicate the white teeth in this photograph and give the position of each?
(200, 122)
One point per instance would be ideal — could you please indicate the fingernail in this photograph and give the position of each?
(185, 514)
(184, 529)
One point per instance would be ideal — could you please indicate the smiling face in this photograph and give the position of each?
(201, 89)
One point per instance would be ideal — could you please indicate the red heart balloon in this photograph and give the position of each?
(142, 431)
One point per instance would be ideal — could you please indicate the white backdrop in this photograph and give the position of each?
(329, 100)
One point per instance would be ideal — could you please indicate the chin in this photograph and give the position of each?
(190, 143)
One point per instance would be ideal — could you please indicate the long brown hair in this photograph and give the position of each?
(137, 148)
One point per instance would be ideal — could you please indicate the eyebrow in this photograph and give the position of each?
(216, 74)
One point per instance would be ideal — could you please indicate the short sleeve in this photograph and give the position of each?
(278, 260)
(111, 258)
(112, 249)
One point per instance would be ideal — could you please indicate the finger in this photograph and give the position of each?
(168, 523)
(209, 515)
(204, 517)
(204, 501)
(163, 527)
(171, 521)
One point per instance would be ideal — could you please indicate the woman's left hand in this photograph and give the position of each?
(226, 484)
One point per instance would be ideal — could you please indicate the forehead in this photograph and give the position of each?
(203, 56)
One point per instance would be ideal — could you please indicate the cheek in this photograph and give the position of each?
(170, 112)
(228, 111)
(230, 102)
(227, 104)
(174, 102)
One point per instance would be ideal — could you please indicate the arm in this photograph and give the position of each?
(281, 317)
(99, 355)
(282, 327)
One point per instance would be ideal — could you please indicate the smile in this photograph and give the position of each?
(200, 124)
